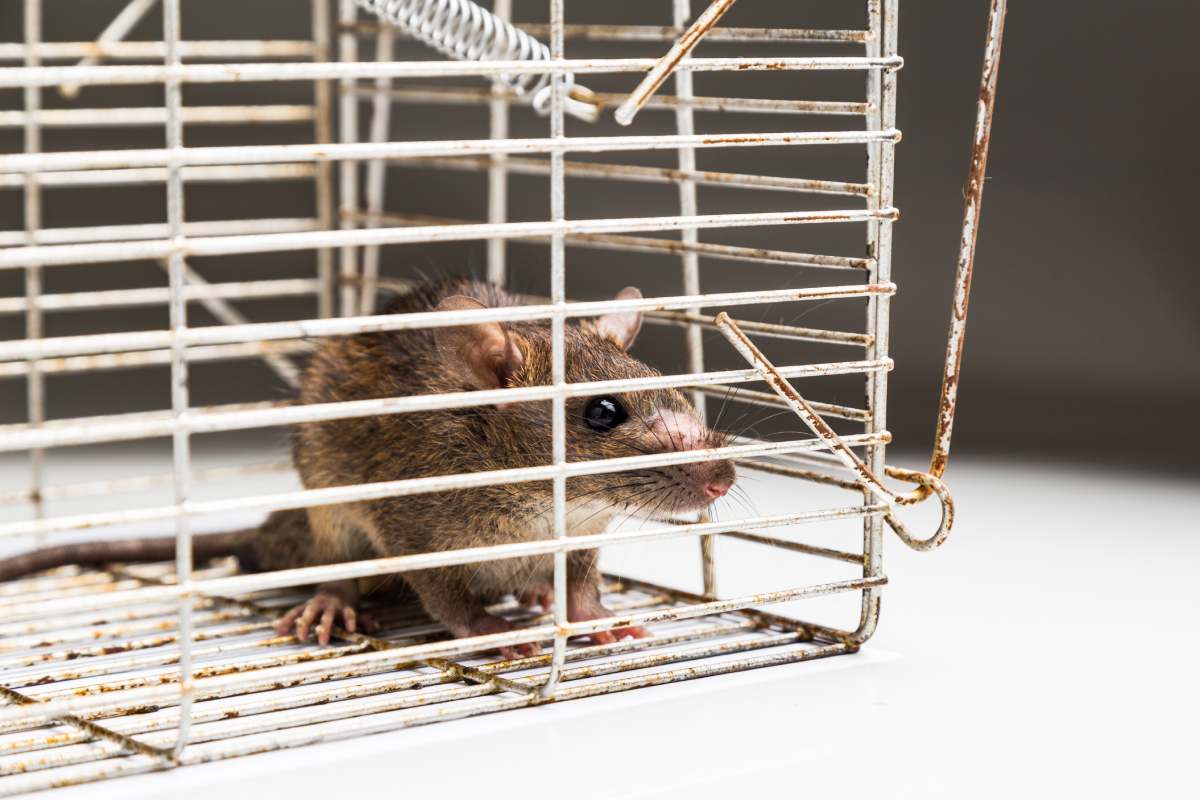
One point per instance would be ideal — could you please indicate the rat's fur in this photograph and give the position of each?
(399, 446)
(411, 445)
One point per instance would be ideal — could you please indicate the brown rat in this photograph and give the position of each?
(411, 445)
(419, 444)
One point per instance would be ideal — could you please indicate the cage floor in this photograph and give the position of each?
(288, 693)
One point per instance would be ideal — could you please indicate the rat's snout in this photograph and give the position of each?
(717, 488)
(712, 479)
(695, 484)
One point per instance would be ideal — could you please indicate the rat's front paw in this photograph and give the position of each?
(589, 610)
(331, 609)
(616, 634)
(486, 624)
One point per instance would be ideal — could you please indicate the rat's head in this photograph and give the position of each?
(607, 425)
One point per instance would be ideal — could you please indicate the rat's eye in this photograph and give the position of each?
(602, 414)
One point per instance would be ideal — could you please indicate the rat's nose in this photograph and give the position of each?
(717, 488)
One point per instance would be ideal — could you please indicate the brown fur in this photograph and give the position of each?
(399, 446)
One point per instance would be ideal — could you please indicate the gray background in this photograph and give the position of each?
(1083, 328)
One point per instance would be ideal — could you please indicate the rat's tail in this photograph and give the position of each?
(95, 554)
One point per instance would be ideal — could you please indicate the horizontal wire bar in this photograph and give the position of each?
(752, 397)
(108, 623)
(155, 295)
(157, 50)
(57, 592)
(335, 495)
(157, 115)
(53, 347)
(377, 702)
(67, 578)
(798, 547)
(646, 244)
(155, 639)
(465, 95)
(303, 576)
(155, 633)
(325, 724)
(243, 416)
(156, 230)
(632, 172)
(265, 703)
(707, 670)
(639, 663)
(57, 255)
(125, 743)
(20, 77)
(149, 358)
(214, 643)
(142, 483)
(234, 173)
(237, 725)
(657, 33)
(808, 475)
(360, 151)
(154, 358)
(249, 608)
(766, 328)
(78, 670)
(323, 732)
(614, 241)
(669, 33)
(48, 709)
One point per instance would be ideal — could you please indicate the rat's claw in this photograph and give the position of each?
(617, 634)
(602, 637)
(632, 632)
(329, 608)
(325, 629)
(485, 624)
(588, 608)
(519, 651)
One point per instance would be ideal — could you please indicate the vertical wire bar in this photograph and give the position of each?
(381, 118)
(497, 249)
(323, 133)
(685, 124)
(558, 296)
(181, 444)
(348, 170)
(881, 94)
(972, 208)
(35, 386)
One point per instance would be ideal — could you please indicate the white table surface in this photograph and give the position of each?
(1050, 646)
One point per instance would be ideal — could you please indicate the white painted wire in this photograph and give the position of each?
(465, 31)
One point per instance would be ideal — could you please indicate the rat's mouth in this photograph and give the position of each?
(665, 494)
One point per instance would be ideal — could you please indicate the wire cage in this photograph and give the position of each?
(133, 668)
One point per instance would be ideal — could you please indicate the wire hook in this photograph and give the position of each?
(864, 476)
(466, 31)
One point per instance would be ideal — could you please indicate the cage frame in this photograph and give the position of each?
(345, 281)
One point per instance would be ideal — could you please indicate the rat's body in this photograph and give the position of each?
(422, 444)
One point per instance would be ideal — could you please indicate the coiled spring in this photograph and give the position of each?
(468, 32)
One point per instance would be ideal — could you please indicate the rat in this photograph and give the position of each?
(431, 443)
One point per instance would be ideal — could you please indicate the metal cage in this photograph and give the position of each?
(137, 668)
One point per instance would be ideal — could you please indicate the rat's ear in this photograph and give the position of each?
(484, 355)
(622, 327)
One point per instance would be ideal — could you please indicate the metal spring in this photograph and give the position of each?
(468, 32)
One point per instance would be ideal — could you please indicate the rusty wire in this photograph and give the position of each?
(129, 669)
